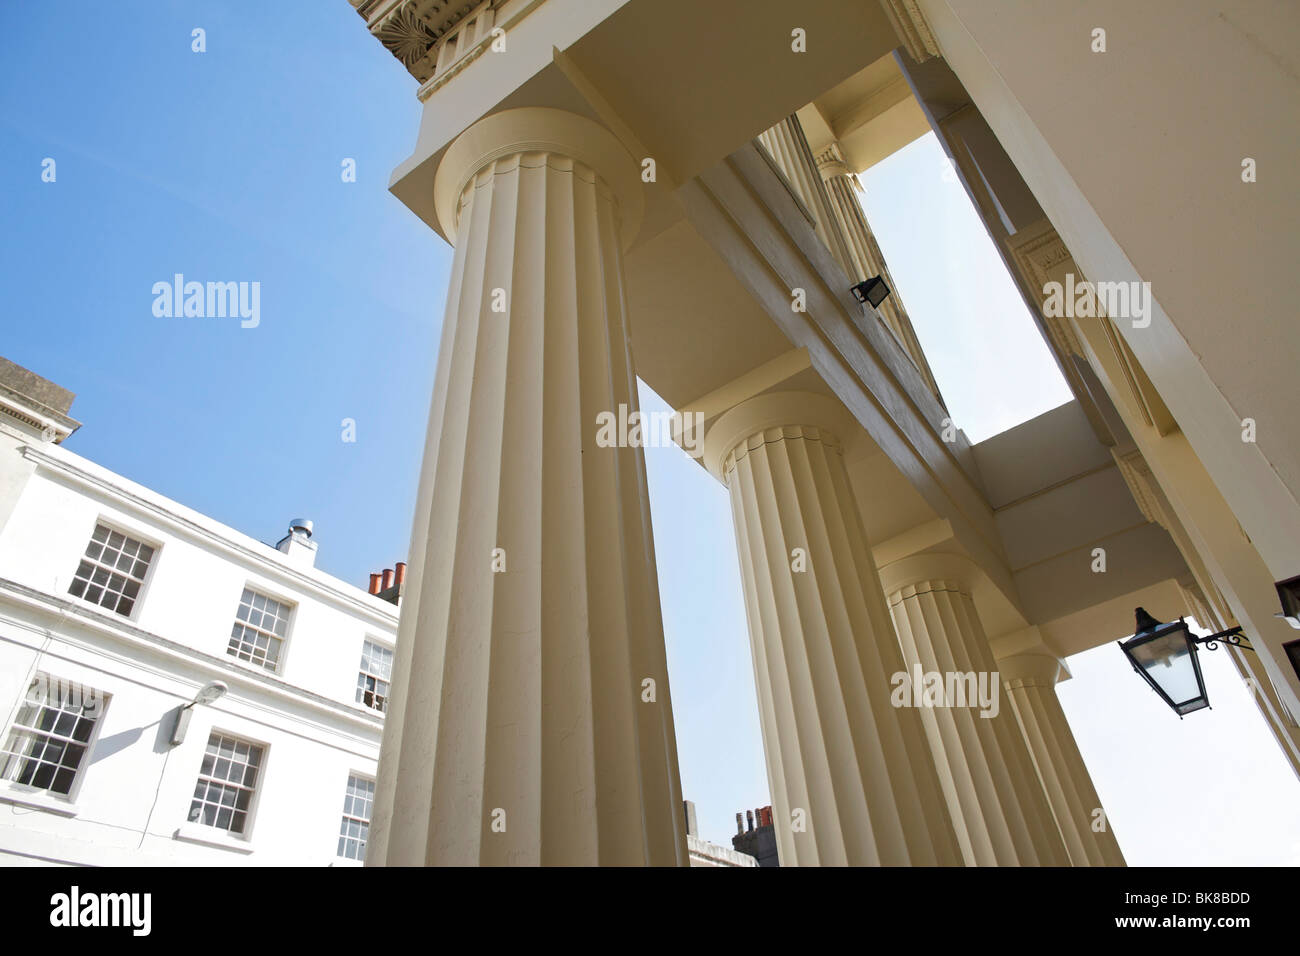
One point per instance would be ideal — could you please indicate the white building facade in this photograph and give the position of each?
(117, 607)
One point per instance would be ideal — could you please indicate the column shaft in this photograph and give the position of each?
(1030, 680)
(866, 257)
(840, 757)
(998, 807)
(517, 732)
(788, 147)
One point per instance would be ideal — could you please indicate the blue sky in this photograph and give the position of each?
(225, 166)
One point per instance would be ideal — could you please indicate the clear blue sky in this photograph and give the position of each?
(225, 166)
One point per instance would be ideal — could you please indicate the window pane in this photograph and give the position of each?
(46, 744)
(113, 567)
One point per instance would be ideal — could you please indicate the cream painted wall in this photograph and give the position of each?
(1184, 92)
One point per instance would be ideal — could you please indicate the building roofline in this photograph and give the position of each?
(189, 523)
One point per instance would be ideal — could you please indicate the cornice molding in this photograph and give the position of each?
(1038, 250)
(467, 56)
(1142, 484)
(412, 30)
(52, 424)
(912, 28)
(1198, 605)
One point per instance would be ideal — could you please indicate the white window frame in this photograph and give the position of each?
(219, 833)
(362, 673)
(144, 540)
(289, 607)
(347, 817)
(86, 693)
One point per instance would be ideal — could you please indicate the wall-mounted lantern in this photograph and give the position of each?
(1166, 657)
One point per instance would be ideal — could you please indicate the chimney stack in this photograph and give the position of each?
(297, 544)
(388, 584)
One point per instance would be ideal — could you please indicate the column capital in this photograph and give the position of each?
(954, 571)
(539, 130)
(1029, 670)
(819, 416)
(830, 162)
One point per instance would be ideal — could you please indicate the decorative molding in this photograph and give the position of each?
(1041, 256)
(409, 39)
(414, 30)
(1197, 604)
(1137, 475)
(468, 55)
(1038, 251)
(912, 28)
(52, 423)
(831, 163)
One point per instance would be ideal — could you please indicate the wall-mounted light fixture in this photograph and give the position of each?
(1166, 657)
(871, 291)
(209, 692)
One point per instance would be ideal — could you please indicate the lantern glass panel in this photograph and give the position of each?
(1167, 660)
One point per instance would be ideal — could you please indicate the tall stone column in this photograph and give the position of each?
(786, 144)
(865, 256)
(998, 807)
(1030, 680)
(530, 721)
(851, 777)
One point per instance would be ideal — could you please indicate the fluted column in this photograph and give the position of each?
(523, 726)
(1030, 680)
(786, 144)
(998, 808)
(842, 762)
(866, 257)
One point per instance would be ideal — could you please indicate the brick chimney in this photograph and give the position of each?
(390, 583)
